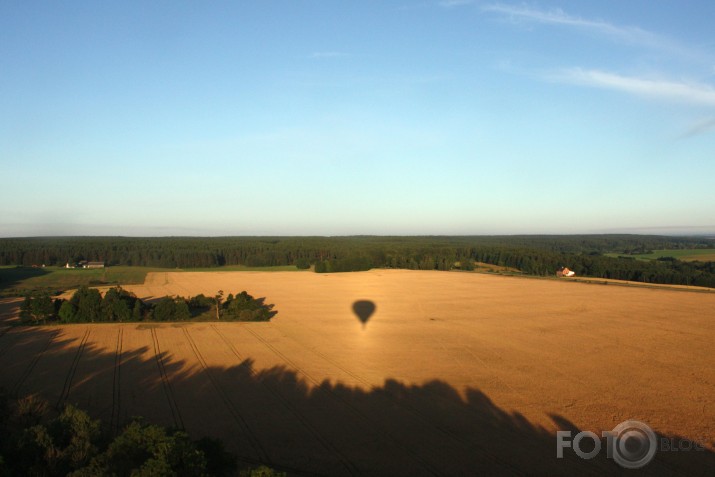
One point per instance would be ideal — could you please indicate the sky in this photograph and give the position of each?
(425, 117)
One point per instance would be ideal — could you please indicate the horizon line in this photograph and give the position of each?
(707, 235)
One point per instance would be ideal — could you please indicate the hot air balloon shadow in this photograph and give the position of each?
(364, 310)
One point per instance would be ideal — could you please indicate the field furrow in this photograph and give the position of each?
(160, 358)
(141, 383)
(230, 407)
(114, 423)
(304, 445)
(67, 387)
(37, 378)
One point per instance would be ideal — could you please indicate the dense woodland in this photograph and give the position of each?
(87, 305)
(531, 254)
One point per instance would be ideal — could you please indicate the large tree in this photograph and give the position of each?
(88, 302)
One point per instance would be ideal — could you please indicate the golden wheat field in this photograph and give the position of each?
(453, 374)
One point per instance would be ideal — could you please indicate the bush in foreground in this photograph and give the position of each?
(262, 471)
(73, 444)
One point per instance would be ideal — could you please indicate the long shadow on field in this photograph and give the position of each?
(279, 417)
(9, 310)
(10, 278)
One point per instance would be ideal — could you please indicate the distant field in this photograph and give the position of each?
(243, 268)
(488, 267)
(20, 280)
(687, 255)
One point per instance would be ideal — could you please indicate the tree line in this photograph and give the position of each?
(531, 254)
(87, 305)
(199, 252)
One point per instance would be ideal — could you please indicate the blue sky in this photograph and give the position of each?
(334, 118)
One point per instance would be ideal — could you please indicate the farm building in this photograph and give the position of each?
(86, 264)
(565, 272)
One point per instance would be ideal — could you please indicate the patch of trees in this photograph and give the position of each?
(243, 307)
(347, 264)
(532, 254)
(74, 444)
(671, 271)
(302, 263)
(38, 308)
(87, 305)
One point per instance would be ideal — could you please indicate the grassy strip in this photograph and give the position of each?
(686, 255)
(17, 281)
(21, 280)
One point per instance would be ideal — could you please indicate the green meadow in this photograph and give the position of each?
(686, 255)
(21, 280)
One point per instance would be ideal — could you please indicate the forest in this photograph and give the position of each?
(538, 255)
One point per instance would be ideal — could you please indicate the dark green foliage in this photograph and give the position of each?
(181, 310)
(143, 449)
(87, 305)
(323, 266)
(138, 311)
(466, 263)
(302, 263)
(171, 309)
(65, 443)
(37, 308)
(73, 444)
(117, 305)
(30, 410)
(87, 302)
(262, 471)
(68, 312)
(201, 301)
(243, 307)
(164, 309)
(353, 263)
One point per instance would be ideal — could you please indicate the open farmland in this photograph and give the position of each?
(454, 373)
(16, 281)
(686, 255)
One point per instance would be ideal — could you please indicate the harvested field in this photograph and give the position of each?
(454, 373)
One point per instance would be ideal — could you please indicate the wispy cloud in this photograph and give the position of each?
(701, 127)
(628, 34)
(327, 54)
(652, 87)
(694, 93)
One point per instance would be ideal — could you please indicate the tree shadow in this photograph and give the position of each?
(10, 278)
(261, 301)
(10, 311)
(278, 416)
